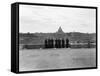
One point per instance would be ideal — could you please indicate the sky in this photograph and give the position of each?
(48, 19)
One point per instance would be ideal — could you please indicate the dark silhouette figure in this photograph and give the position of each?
(59, 43)
(63, 43)
(50, 43)
(67, 43)
(56, 43)
(46, 43)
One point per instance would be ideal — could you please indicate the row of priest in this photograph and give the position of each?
(56, 43)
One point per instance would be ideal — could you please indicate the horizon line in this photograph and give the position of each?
(56, 32)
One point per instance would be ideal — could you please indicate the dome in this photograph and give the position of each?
(60, 30)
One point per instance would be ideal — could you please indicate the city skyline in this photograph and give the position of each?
(57, 32)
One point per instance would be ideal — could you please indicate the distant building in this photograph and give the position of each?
(38, 39)
(60, 31)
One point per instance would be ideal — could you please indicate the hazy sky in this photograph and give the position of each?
(48, 19)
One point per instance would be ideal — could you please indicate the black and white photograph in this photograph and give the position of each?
(54, 37)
